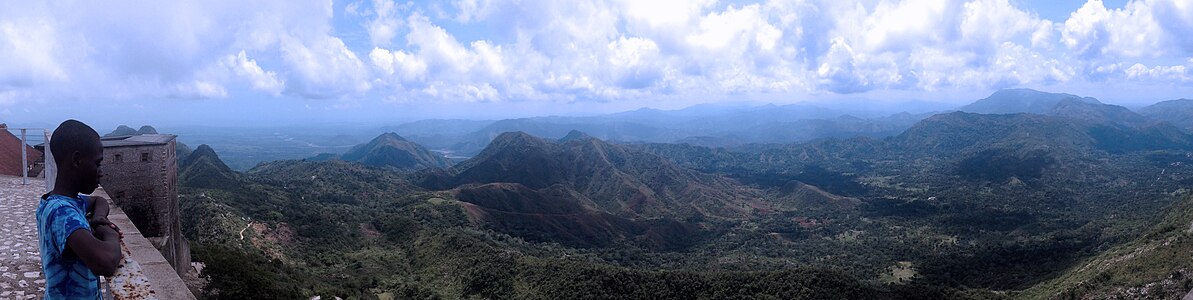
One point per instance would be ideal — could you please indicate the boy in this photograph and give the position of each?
(74, 247)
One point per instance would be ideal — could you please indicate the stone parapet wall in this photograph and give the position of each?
(145, 273)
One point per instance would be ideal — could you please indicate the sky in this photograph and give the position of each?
(268, 62)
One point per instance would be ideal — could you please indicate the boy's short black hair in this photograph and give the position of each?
(71, 136)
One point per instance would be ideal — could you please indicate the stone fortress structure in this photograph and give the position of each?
(140, 174)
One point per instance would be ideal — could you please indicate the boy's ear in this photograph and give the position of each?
(76, 159)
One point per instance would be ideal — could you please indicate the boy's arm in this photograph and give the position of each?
(99, 250)
(99, 210)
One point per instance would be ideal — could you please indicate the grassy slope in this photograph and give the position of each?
(1158, 265)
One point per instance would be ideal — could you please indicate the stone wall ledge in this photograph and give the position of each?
(145, 273)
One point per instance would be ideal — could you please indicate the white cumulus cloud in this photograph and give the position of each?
(1093, 30)
(573, 51)
(259, 79)
(132, 50)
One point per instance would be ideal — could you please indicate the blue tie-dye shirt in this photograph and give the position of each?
(66, 276)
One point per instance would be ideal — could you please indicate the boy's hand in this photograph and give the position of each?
(99, 217)
(101, 230)
(99, 221)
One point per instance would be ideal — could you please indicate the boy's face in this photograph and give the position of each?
(89, 169)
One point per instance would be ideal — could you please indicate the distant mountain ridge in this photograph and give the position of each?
(1178, 112)
(181, 150)
(123, 130)
(983, 147)
(391, 150)
(715, 124)
(1074, 109)
(1008, 101)
(960, 132)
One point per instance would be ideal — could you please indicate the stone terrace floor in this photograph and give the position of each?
(20, 261)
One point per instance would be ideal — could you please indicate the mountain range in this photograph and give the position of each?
(732, 126)
(1176, 112)
(710, 125)
(1043, 203)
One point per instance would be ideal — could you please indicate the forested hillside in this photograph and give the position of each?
(959, 205)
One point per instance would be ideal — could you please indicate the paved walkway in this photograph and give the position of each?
(20, 261)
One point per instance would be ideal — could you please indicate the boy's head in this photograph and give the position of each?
(77, 153)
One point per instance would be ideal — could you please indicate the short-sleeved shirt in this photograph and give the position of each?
(67, 277)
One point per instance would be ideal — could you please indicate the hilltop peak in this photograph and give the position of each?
(389, 136)
(575, 135)
(124, 130)
(605, 174)
(1031, 93)
(121, 131)
(391, 150)
(1008, 101)
(516, 138)
(204, 148)
(514, 141)
(204, 152)
(204, 169)
(146, 129)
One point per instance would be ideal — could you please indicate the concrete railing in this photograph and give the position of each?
(145, 274)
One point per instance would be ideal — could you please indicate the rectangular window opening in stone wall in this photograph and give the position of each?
(119, 158)
(144, 156)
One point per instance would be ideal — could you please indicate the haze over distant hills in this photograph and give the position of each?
(732, 126)
(712, 125)
(703, 124)
(1177, 112)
